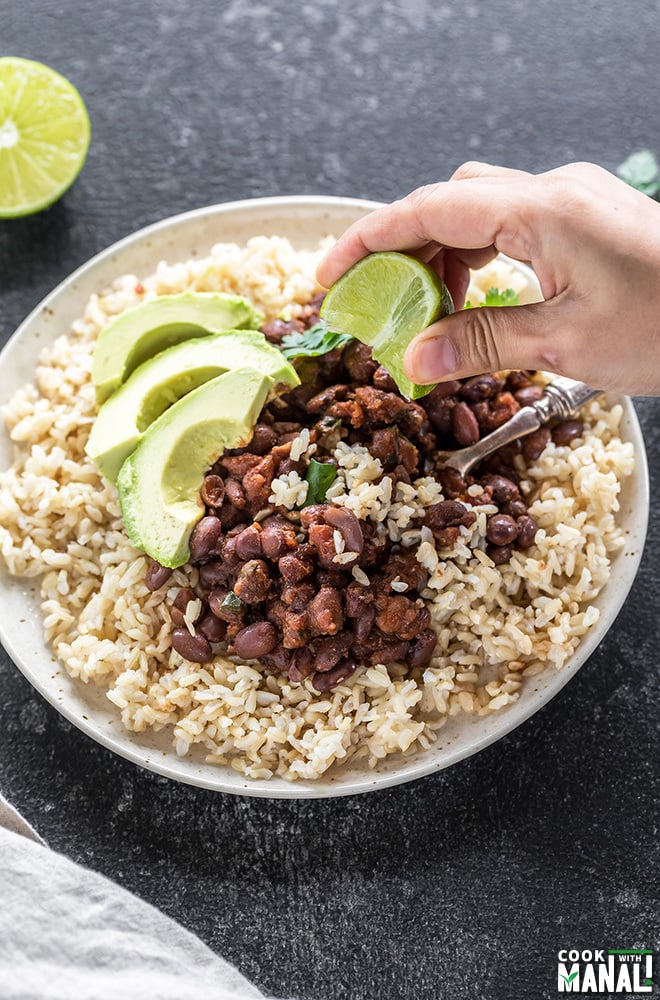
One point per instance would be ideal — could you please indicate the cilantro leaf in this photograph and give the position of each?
(495, 297)
(232, 601)
(642, 172)
(320, 477)
(312, 343)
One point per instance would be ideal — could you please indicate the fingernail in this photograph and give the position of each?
(432, 358)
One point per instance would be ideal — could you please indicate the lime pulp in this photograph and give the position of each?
(385, 300)
(44, 136)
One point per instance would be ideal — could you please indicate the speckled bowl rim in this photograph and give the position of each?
(304, 219)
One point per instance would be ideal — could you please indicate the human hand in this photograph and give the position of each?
(593, 241)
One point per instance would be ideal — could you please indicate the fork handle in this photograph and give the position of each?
(521, 423)
(562, 398)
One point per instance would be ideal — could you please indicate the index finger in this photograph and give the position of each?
(477, 213)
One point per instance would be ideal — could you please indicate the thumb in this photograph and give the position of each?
(484, 339)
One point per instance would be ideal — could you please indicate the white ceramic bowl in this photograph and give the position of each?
(304, 220)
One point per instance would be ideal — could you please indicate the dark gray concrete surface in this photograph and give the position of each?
(465, 884)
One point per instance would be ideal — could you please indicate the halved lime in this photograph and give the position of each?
(44, 136)
(385, 300)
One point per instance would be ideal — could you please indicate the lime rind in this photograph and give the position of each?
(44, 136)
(384, 301)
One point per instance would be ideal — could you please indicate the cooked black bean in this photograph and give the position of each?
(278, 536)
(213, 573)
(535, 443)
(205, 538)
(421, 649)
(499, 553)
(501, 529)
(314, 514)
(567, 431)
(256, 640)
(301, 665)
(445, 514)
(481, 387)
(280, 660)
(439, 411)
(235, 493)
(248, 543)
(156, 575)
(212, 627)
(440, 391)
(230, 516)
(347, 524)
(464, 424)
(528, 394)
(503, 489)
(358, 361)
(382, 379)
(389, 652)
(343, 670)
(526, 531)
(320, 402)
(453, 483)
(195, 647)
(516, 508)
(517, 379)
(227, 606)
(357, 599)
(405, 566)
(288, 465)
(180, 603)
(263, 439)
(276, 329)
(213, 490)
(329, 651)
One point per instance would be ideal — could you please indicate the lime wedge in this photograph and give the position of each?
(44, 136)
(385, 300)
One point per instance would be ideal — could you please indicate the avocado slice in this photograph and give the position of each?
(159, 382)
(137, 334)
(159, 482)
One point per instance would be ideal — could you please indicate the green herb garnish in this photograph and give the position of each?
(320, 477)
(232, 601)
(312, 343)
(495, 297)
(642, 172)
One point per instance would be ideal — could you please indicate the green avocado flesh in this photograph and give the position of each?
(173, 373)
(159, 483)
(135, 335)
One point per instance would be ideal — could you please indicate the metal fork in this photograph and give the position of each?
(562, 398)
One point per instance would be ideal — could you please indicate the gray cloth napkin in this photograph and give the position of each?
(69, 934)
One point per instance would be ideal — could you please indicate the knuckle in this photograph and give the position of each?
(471, 168)
(418, 203)
(568, 195)
(480, 348)
(420, 197)
(581, 169)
